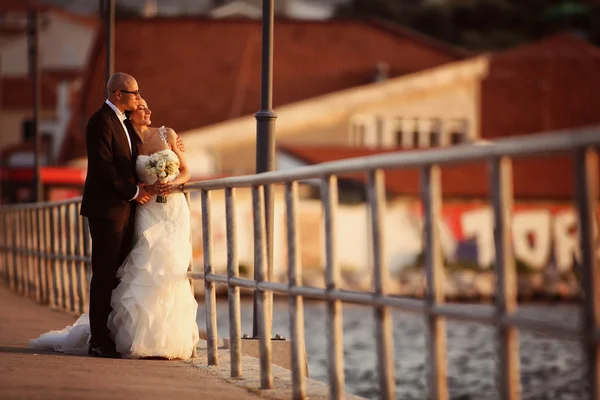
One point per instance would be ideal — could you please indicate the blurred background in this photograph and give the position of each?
(351, 78)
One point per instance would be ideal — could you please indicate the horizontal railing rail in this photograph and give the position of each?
(581, 143)
(46, 255)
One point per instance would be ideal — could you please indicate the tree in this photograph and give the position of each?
(484, 24)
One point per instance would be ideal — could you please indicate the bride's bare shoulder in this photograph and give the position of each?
(169, 132)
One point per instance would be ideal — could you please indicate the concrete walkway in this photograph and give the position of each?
(28, 374)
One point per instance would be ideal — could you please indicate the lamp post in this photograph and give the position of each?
(107, 11)
(33, 35)
(265, 143)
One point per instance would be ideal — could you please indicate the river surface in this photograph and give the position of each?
(550, 368)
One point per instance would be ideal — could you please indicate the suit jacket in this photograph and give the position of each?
(111, 179)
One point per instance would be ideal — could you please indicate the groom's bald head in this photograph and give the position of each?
(122, 90)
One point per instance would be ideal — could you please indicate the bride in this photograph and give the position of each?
(154, 310)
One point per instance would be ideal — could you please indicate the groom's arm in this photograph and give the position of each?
(100, 160)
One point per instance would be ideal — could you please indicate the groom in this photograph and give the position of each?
(110, 195)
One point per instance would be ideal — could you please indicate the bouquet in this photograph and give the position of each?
(164, 164)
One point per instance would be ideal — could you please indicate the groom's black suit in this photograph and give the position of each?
(110, 185)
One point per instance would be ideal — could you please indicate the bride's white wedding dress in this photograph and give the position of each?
(154, 310)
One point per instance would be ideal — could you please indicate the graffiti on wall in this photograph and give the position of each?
(542, 236)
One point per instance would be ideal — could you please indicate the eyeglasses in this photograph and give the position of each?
(137, 92)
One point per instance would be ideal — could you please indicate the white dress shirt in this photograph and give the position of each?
(122, 119)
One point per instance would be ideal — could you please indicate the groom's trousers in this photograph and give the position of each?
(111, 242)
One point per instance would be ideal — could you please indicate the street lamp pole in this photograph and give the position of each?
(109, 20)
(33, 34)
(265, 143)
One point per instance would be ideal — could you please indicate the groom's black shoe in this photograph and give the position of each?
(103, 351)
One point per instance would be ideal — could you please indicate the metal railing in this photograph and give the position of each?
(46, 253)
(581, 144)
(45, 258)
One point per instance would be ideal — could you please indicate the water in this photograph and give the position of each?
(550, 368)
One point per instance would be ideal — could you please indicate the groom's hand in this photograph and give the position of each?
(143, 196)
(180, 145)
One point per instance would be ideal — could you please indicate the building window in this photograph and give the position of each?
(415, 138)
(399, 137)
(360, 134)
(434, 139)
(456, 138)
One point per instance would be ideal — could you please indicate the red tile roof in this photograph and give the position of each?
(547, 85)
(21, 5)
(538, 178)
(17, 91)
(195, 72)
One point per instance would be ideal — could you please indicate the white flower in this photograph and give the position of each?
(163, 164)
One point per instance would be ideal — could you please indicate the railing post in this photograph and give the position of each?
(30, 256)
(53, 265)
(70, 265)
(431, 192)
(233, 292)
(34, 251)
(41, 251)
(508, 369)
(14, 283)
(87, 264)
(23, 250)
(80, 264)
(335, 339)
(4, 215)
(383, 320)
(60, 266)
(260, 273)
(191, 265)
(586, 178)
(296, 302)
(209, 287)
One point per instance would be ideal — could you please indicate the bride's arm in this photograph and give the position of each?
(184, 171)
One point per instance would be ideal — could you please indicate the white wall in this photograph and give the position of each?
(64, 44)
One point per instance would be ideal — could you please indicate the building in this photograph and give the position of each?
(65, 42)
(201, 72)
(542, 86)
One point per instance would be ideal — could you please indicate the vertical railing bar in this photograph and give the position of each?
(7, 245)
(233, 295)
(31, 251)
(296, 302)
(87, 265)
(191, 265)
(260, 274)
(209, 287)
(431, 192)
(335, 339)
(586, 178)
(23, 247)
(60, 251)
(28, 252)
(43, 259)
(383, 319)
(23, 251)
(15, 251)
(76, 266)
(66, 270)
(53, 262)
(508, 369)
(35, 241)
